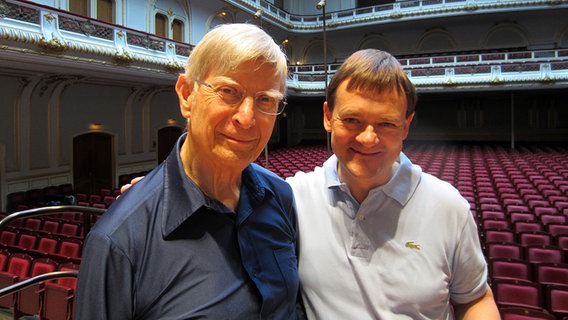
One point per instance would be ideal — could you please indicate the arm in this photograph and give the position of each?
(482, 308)
(104, 287)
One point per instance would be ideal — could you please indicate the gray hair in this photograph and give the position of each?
(228, 46)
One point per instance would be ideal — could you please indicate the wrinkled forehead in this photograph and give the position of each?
(253, 68)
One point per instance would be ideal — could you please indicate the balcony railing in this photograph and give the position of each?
(54, 31)
(385, 13)
(472, 69)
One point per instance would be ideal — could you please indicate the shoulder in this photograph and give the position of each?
(133, 207)
(266, 176)
(306, 179)
(436, 191)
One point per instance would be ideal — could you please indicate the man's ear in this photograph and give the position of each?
(406, 128)
(184, 90)
(327, 114)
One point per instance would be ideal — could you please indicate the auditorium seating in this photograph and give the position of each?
(515, 196)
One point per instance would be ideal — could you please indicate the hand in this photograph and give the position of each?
(128, 185)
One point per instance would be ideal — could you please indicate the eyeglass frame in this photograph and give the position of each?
(281, 104)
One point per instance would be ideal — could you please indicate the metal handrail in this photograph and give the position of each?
(37, 279)
(87, 211)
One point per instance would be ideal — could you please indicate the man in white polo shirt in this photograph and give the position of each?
(379, 238)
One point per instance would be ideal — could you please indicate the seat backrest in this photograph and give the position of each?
(557, 228)
(70, 248)
(538, 253)
(69, 229)
(562, 241)
(534, 238)
(517, 293)
(503, 235)
(495, 224)
(68, 282)
(492, 215)
(42, 266)
(510, 268)
(552, 218)
(27, 240)
(48, 244)
(533, 203)
(517, 208)
(521, 216)
(551, 273)
(8, 237)
(33, 224)
(19, 265)
(557, 300)
(503, 250)
(520, 226)
(50, 226)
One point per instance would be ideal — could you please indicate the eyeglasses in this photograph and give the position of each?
(233, 95)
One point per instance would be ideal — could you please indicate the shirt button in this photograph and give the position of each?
(361, 217)
(255, 272)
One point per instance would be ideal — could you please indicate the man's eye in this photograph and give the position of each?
(266, 100)
(229, 91)
(351, 120)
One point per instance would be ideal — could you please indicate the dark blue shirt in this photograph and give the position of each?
(164, 250)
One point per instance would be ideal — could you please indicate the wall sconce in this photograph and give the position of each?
(96, 126)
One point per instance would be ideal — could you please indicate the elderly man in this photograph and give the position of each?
(206, 234)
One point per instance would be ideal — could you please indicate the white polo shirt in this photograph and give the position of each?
(408, 249)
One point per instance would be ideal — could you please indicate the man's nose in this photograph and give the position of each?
(368, 136)
(245, 113)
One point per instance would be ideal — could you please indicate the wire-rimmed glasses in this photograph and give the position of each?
(233, 94)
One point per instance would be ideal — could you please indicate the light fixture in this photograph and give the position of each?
(96, 126)
(320, 5)
(258, 16)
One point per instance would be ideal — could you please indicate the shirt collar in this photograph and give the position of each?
(400, 187)
(182, 197)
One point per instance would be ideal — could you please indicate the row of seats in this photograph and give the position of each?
(37, 245)
(519, 198)
(50, 195)
(51, 300)
(487, 176)
(547, 302)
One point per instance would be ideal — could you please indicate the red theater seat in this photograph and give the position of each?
(517, 293)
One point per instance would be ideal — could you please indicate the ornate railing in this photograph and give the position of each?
(495, 68)
(386, 13)
(55, 32)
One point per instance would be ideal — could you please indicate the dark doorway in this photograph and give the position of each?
(167, 138)
(93, 162)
